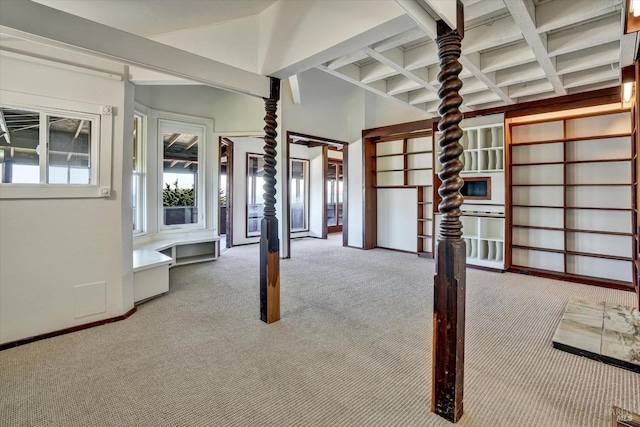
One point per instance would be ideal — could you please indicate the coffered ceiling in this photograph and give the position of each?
(513, 51)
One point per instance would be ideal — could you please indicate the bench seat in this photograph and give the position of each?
(154, 255)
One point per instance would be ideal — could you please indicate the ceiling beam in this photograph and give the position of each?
(80, 125)
(564, 13)
(4, 128)
(350, 73)
(172, 140)
(193, 141)
(24, 19)
(394, 58)
(294, 84)
(471, 62)
(524, 14)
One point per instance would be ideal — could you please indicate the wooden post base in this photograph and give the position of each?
(269, 271)
(448, 329)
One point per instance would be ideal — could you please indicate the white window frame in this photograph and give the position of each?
(101, 147)
(183, 126)
(141, 173)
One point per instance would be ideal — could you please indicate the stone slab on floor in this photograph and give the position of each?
(601, 331)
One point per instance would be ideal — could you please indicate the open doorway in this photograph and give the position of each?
(327, 188)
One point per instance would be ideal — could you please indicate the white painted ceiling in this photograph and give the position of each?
(149, 18)
(513, 50)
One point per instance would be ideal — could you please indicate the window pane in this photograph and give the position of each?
(69, 149)
(180, 176)
(21, 161)
(255, 200)
(58, 175)
(26, 174)
(298, 190)
(137, 191)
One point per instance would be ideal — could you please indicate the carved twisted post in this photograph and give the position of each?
(269, 242)
(450, 278)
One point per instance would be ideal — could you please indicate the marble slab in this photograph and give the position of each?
(602, 331)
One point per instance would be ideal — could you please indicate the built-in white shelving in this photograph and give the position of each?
(483, 149)
(484, 239)
(573, 197)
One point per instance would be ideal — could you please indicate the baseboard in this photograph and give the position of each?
(23, 341)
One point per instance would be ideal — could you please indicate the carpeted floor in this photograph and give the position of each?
(353, 348)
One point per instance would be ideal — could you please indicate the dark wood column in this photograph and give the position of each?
(269, 242)
(450, 256)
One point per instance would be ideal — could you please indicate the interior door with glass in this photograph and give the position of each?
(333, 197)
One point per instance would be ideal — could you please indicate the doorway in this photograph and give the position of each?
(328, 195)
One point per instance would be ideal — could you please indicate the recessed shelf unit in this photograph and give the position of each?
(405, 163)
(483, 148)
(572, 198)
(484, 239)
(483, 214)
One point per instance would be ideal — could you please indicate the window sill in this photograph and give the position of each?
(52, 191)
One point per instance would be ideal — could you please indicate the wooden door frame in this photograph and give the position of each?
(312, 141)
(338, 227)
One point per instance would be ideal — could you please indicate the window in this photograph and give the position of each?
(53, 150)
(299, 189)
(139, 176)
(67, 157)
(255, 201)
(182, 182)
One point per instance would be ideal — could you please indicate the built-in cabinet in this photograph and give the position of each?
(483, 220)
(573, 197)
(404, 186)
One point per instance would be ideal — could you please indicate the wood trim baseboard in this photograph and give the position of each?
(35, 338)
(574, 278)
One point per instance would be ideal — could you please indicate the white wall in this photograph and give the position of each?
(50, 246)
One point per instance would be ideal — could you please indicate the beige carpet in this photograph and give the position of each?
(353, 348)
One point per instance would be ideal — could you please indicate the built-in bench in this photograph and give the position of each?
(153, 255)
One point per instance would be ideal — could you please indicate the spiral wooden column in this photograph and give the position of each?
(269, 242)
(450, 278)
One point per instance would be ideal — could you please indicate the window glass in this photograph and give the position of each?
(19, 145)
(255, 200)
(180, 178)
(69, 148)
(138, 178)
(299, 194)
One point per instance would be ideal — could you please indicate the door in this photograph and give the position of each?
(333, 197)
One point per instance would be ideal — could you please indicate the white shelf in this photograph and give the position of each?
(576, 174)
(483, 149)
(484, 242)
